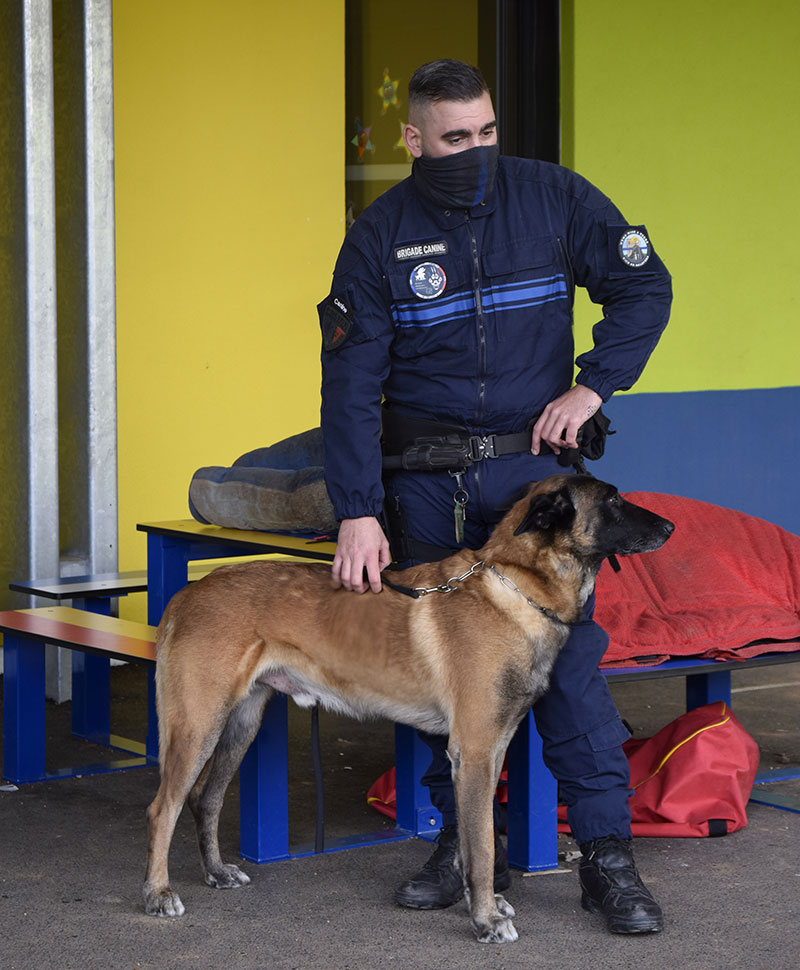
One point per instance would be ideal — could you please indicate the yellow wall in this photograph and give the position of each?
(230, 212)
(686, 114)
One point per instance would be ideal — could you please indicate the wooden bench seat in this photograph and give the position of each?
(96, 586)
(91, 636)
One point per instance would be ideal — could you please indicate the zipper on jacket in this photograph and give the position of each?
(568, 268)
(476, 288)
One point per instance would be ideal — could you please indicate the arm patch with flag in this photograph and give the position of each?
(336, 321)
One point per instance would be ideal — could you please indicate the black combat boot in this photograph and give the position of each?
(612, 886)
(438, 884)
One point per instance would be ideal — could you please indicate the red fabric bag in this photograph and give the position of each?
(382, 794)
(691, 779)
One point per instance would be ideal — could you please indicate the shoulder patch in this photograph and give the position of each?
(634, 248)
(628, 247)
(336, 322)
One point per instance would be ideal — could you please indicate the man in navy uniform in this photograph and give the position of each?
(451, 307)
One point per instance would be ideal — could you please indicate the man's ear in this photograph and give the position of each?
(412, 136)
(550, 510)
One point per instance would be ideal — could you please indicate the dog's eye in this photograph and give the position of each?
(616, 500)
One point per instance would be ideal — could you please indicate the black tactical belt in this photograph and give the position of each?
(418, 444)
(497, 445)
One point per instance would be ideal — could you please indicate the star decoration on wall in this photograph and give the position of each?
(361, 140)
(387, 92)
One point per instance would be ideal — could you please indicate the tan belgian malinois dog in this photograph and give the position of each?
(469, 664)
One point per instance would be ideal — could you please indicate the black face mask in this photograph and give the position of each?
(457, 181)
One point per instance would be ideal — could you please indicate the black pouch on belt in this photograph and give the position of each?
(591, 442)
(417, 444)
(592, 436)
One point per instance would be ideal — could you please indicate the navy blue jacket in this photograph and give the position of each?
(466, 315)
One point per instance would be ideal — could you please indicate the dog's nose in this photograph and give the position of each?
(668, 527)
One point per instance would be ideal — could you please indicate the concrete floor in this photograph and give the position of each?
(73, 854)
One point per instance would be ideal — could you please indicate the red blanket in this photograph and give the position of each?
(725, 586)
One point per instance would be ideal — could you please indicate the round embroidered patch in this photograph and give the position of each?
(427, 281)
(634, 248)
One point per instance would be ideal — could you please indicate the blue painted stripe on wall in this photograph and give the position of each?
(738, 449)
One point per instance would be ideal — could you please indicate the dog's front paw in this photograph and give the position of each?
(164, 903)
(227, 877)
(499, 929)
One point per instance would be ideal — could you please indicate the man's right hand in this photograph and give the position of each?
(361, 544)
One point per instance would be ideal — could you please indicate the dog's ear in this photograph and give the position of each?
(548, 510)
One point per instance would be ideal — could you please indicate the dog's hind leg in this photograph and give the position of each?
(475, 771)
(188, 748)
(208, 793)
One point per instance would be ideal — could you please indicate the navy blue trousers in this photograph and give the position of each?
(579, 724)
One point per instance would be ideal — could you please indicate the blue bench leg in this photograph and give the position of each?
(167, 572)
(91, 684)
(23, 709)
(264, 788)
(415, 813)
(91, 697)
(708, 688)
(532, 803)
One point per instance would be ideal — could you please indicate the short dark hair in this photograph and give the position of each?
(445, 80)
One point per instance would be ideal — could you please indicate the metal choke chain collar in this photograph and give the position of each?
(453, 583)
(550, 614)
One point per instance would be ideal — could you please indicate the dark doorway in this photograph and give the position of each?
(515, 43)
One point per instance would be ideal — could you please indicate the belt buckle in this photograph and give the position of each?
(482, 446)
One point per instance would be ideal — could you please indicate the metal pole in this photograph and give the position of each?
(37, 40)
(101, 292)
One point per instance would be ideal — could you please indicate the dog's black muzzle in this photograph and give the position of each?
(640, 530)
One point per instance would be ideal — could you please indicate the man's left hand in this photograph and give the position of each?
(560, 421)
